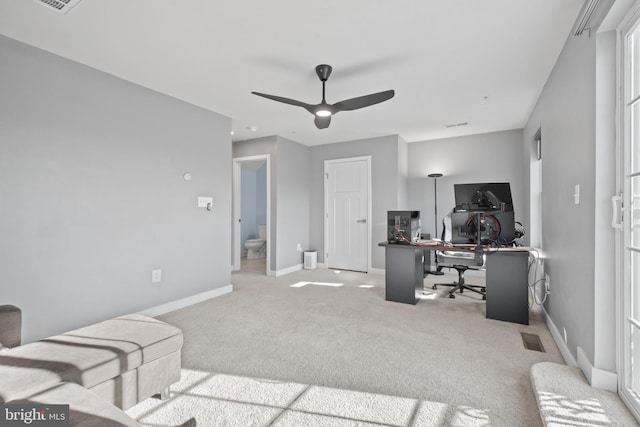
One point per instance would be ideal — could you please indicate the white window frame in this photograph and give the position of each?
(631, 398)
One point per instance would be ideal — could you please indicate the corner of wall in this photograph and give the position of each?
(598, 378)
(403, 174)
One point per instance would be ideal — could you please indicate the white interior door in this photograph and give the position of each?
(347, 214)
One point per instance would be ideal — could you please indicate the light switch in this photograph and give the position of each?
(156, 276)
(204, 202)
(576, 194)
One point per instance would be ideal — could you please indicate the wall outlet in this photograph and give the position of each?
(156, 276)
(299, 248)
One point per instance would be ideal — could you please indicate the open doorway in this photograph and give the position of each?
(251, 214)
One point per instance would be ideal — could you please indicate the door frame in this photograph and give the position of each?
(327, 163)
(237, 209)
(535, 191)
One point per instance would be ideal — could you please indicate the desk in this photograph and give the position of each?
(508, 285)
(404, 272)
(506, 277)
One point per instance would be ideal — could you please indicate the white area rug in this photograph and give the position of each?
(565, 398)
(227, 400)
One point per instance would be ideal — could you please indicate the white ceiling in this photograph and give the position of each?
(450, 61)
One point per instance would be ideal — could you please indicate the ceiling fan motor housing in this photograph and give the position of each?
(323, 71)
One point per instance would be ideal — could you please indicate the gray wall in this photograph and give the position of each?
(566, 113)
(254, 202)
(292, 215)
(92, 195)
(385, 184)
(248, 207)
(403, 174)
(489, 157)
(261, 202)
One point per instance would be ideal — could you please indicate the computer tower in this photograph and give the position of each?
(403, 227)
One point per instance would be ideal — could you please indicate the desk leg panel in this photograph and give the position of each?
(403, 274)
(507, 287)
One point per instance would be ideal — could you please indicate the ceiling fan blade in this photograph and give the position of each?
(362, 101)
(284, 100)
(322, 122)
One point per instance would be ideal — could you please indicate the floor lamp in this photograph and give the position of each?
(435, 177)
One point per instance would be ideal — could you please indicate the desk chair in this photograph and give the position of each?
(461, 261)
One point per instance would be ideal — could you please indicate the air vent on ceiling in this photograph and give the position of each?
(456, 125)
(60, 6)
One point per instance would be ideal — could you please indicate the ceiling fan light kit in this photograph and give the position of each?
(324, 111)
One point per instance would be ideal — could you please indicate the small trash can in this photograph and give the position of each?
(310, 260)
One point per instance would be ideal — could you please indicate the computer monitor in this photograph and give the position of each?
(488, 196)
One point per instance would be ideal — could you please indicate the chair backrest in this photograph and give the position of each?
(450, 258)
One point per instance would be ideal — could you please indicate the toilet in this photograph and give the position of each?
(256, 248)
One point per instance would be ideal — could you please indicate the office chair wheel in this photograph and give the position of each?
(452, 296)
(434, 287)
(484, 297)
(483, 289)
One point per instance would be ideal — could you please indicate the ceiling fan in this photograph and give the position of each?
(324, 111)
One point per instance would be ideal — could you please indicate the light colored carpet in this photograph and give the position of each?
(565, 398)
(228, 400)
(327, 349)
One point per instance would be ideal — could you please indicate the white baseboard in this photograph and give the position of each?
(288, 270)
(185, 302)
(598, 378)
(557, 337)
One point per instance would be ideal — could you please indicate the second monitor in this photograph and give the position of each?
(487, 196)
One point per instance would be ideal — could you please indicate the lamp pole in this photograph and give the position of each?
(435, 177)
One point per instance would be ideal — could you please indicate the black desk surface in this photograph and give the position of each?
(451, 247)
